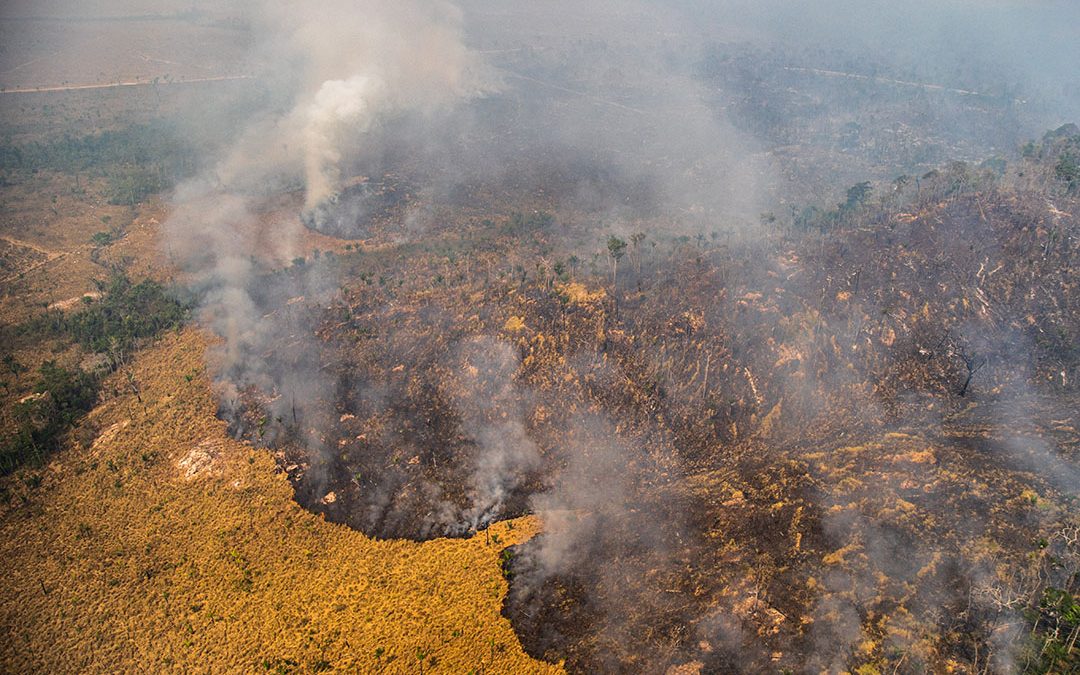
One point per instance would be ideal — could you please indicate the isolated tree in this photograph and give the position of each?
(958, 178)
(973, 363)
(635, 240)
(856, 196)
(133, 384)
(616, 250)
(895, 198)
(1068, 172)
(574, 262)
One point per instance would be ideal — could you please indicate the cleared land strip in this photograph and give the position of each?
(130, 83)
(889, 80)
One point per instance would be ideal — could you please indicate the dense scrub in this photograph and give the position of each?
(60, 397)
(112, 326)
(125, 313)
(137, 161)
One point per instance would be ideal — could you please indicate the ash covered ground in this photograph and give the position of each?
(777, 334)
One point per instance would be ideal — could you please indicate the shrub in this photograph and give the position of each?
(126, 313)
(61, 396)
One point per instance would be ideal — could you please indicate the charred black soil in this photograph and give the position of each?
(849, 444)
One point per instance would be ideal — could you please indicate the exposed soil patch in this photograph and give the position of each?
(17, 258)
(200, 460)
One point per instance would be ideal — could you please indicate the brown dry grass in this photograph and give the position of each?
(118, 560)
(47, 214)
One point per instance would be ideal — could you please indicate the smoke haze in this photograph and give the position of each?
(694, 133)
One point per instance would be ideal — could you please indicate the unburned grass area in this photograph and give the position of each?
(164, 545)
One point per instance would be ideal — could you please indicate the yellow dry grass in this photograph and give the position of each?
(168, 547)
(579, 294)
(49, 214)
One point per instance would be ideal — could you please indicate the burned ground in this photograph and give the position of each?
(832, 439)
(835, 448)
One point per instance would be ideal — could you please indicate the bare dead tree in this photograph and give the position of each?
(973, 362)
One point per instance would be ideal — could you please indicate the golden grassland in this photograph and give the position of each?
(168, 546)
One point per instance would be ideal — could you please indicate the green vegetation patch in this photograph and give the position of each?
(127, 313)
(136, 161)
(61, 396)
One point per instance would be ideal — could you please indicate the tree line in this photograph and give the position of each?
(112, 326)
(137, 161)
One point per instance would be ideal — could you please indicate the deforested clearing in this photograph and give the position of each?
(610, 337)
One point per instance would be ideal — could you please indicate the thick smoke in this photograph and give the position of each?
(365, 62)
(352, 84)
(338, 106)
(493, 415)
(334, 72)
(618, 110)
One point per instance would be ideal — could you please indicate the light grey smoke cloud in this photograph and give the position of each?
(616, 112)
(365, 61)
(338, 106)
(335, 70)
(492, 411)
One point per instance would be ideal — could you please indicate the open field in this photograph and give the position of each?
(166, 545)
(44, 52)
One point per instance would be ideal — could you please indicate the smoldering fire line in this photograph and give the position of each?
(736, 436)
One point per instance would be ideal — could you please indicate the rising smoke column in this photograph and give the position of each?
(365, 62)
(340, 107)
(333, 72)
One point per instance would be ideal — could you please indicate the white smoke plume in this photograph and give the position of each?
(339, 105)
(334, 72)
(493, 414)
(363, 62)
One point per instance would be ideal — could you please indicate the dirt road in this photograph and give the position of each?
(130, 83)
